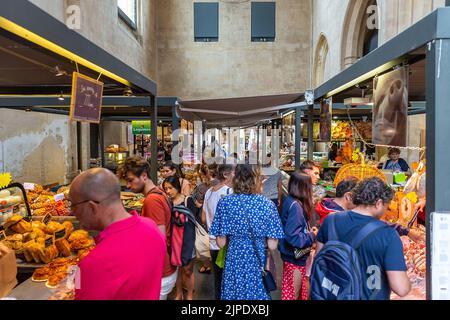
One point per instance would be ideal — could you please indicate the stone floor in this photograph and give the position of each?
(204, 283)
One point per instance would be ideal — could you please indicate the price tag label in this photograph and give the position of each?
(28, 186)
(49, 242)
(47, 218)
(60, 234)
(2, 235)
(59, 197)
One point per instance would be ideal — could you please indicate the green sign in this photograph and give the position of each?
(141, 127)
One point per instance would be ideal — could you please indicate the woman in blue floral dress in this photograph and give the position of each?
(242, 278)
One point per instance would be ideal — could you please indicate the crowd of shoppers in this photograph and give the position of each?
(240, 207)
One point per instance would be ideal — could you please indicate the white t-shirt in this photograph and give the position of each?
(210, 206)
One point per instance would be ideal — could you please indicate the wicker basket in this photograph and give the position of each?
(360, 171)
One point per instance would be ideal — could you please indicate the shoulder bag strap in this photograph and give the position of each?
(252, 236)
(158, 191)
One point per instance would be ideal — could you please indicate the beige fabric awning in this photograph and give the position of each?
(238, 112)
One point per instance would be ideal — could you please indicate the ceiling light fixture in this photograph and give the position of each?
(61, 97)
(60, 72)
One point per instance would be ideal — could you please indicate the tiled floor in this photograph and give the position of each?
(204, 283)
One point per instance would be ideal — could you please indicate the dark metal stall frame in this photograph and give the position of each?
(431, 35)
(33, 31)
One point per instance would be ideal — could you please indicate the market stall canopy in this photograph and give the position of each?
(39, 53)
(238, 112)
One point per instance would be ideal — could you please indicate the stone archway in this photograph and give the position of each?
(354, 31)
(320, 60)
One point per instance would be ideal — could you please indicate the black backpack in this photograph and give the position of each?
(336, 272)
(182, 235)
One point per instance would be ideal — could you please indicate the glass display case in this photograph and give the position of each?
(114, 160)
(13, 202)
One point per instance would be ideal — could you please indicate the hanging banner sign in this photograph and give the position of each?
(325, 120)
(390, 108)
(141, 127)
(86, 102)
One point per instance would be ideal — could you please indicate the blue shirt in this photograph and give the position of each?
(382, 251)
(401, 165)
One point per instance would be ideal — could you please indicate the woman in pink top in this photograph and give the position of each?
(127, 262)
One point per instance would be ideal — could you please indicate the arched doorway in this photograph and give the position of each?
(320, 60)
(357, 38)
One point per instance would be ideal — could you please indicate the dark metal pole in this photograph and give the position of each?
(438, 131)
(203, 137)
(280, 127)
(79, 146)
(298, 137)
(154, 140)
(310, 131)
(162, 129)
(143, 145)
(175, 127)
(102, 142)
(257, 144)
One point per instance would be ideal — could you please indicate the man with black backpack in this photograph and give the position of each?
(358, 256)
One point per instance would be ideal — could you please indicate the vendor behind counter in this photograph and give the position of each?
(395, 163)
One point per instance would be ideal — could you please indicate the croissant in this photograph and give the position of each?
(48, 254)
(78, 234)
(69, 227)
(37, 250)
(63, 247)
(22, 227)
(81, 244)
(41, 274)
(27, 252)
(53, 226)
(38, 225)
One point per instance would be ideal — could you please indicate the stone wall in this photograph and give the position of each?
(234, 66)
(37, 147)
(44, 149)
(340, 22)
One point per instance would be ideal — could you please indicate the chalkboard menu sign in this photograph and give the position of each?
(86, 102)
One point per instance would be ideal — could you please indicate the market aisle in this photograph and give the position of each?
(204, 283)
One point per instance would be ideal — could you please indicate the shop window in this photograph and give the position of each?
(128, 12)
(263, 21)
(206, 21)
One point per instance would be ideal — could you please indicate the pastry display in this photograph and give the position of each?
(40, 243)
(43, 201)
(56, 273)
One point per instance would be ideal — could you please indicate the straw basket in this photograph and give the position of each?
(360, 171)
